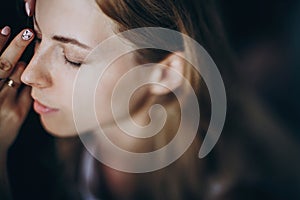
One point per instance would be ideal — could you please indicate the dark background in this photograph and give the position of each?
(265, 37)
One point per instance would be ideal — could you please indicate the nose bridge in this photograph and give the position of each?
(37, 73)
(40, 55)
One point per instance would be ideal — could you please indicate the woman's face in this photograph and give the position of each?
(67, 32)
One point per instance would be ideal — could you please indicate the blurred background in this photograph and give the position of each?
(264, 36)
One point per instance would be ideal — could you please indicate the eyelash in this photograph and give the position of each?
(37, 41)
(74, 64)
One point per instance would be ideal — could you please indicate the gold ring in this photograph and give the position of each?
(11, 83)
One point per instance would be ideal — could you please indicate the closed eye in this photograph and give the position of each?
(74, 64)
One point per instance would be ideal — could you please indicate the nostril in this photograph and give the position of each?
(35, 77)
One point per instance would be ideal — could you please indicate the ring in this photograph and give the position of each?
(11, 83)
(2, 79)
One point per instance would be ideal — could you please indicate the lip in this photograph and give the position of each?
(42, 109)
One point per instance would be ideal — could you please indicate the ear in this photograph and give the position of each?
(167, 75)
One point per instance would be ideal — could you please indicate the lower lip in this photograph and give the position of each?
(41, 109)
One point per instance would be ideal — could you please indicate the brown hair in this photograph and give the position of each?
(199, 20)
(237, 166)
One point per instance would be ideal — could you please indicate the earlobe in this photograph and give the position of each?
(168, 75)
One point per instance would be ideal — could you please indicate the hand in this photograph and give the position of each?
(15, 101)
(30, 7)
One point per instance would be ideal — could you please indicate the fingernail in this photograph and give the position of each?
(27, 8)
(5, 31)
(27, 35)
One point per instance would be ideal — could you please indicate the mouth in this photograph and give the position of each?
(42, 109)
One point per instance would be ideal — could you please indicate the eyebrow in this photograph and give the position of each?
(63, 39)
(70, 41)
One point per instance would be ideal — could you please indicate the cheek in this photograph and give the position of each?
(106, 89)
(115, 88)
(61, 95)
(63, 78)
(104, 92)
(118, 95)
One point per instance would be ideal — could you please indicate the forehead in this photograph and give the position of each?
(82, 19)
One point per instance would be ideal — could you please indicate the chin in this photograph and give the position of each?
(59, 130)
(58, 134)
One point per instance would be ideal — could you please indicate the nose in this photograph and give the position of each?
(36, 73)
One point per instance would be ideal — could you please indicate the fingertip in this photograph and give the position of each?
(20, 68)
(22, 64)
(32, 6)
(27, 34)
(29, 7)
(6, 31)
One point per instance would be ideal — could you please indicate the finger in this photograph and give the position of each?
(5, 32)
(17, 73)
(2, 82)
(25, 101)
(14, 51)
(10, 89)
(30, 7)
